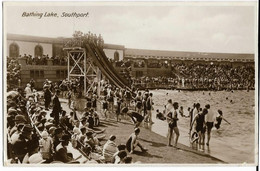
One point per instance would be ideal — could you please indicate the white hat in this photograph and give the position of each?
(44, 134)
(76, 130)
(36, 159)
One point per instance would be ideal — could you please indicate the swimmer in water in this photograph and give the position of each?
(219, 119)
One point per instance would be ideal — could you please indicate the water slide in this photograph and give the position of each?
(105, 66)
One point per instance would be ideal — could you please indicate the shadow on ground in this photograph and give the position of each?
(154, 144)
(146, 154)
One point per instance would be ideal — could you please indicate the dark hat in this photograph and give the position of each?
(57, 131)
(125, 110)
(220, 112)
(27, 129)
(89, 133)
(207, 106)
(20, 119)
(48, 125)
(65, 138)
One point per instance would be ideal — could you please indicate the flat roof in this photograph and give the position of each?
(137, 53)
(170, 54)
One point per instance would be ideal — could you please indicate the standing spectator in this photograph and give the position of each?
(149, 107)
(28, 91)
(47, 97)
(56, 107)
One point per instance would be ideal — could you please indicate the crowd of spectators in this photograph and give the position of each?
(35, 137)
(217, 77)
(80, 39)
(13, 73)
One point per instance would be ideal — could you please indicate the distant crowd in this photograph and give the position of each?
(215, 77)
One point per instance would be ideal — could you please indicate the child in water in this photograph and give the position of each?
(159, 115)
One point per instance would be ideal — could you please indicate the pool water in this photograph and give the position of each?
(233, 143)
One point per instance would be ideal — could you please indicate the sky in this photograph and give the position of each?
(228, 28)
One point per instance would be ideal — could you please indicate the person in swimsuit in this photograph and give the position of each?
(133, 142)
(136, 117)
(172, 118)
(200, 127)
(219, 119)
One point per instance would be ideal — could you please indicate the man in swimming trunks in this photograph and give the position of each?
(209, 122)
(172, 118)
(133, 142)
(136, 117)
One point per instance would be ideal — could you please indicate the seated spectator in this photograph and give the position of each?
(46, 146)
(133, 142)
(127, 160)
(109, 149)
(120, 147)
(61, 150)
(120, 156)
(92, 141)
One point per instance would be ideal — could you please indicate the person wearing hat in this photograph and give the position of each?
(19, 119)
(136, 117)
(172, 118)
(46, 146)
(58, 132)
(22, 144)
(47, 97)
(109, 149)
(61, 150)
(133, 142)
(28, 91)
(56, 107)
(92, 141)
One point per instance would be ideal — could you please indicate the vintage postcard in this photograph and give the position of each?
(137, 83)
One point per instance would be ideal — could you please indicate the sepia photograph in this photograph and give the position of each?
(130, 83)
